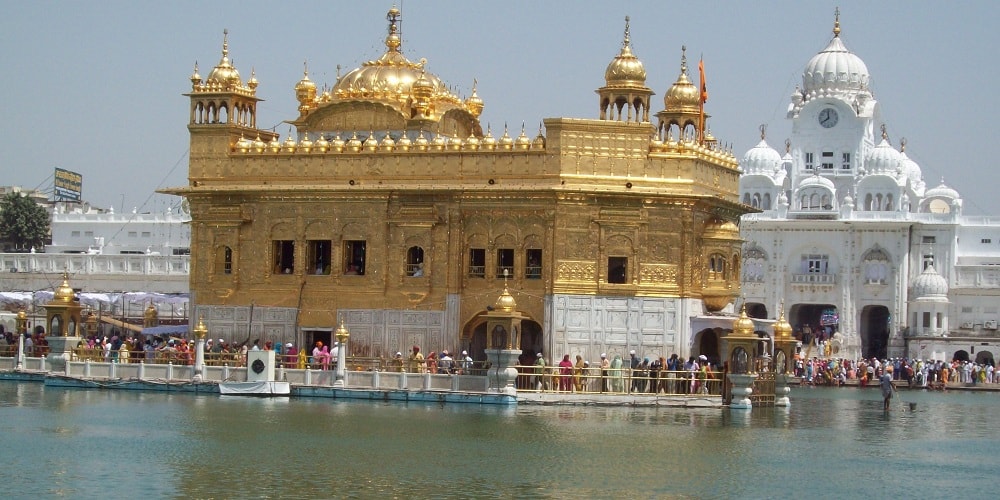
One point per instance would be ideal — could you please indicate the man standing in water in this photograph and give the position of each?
(885, 381)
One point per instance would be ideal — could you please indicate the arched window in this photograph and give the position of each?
(415, 262)
(875, 265)
(227, 261)
(716, 266)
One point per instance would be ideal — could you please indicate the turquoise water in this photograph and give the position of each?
(830, 443)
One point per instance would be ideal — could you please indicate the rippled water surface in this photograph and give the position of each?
(830, 443)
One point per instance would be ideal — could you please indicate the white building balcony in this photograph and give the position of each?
(815, 278)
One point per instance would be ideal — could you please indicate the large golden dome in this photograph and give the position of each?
(625, 70)
(683, 95)
(390, 93)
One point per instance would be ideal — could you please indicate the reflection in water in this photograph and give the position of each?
(208, 446)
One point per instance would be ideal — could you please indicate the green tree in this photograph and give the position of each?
(23, 223)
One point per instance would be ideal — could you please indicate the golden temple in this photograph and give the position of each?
(391, 208)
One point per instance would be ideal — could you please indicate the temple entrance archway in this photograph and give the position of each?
(756, 310)
(707, 344)
(960, 355)
(985, 358)
(875, 332)
(813, 323)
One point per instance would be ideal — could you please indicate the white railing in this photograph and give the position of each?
(122, 264)
(822, 279)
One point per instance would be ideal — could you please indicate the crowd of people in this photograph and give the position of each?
(656, 375)
(933, 374)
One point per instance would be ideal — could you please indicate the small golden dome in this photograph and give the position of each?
(252, 82)
(782, 329)
(438, 143)
(371, 143)
(289, 145)
(683, 95)
(195, 77)
(474, 104)
(65, 292)
(421, 142)
(305, 144)
(422, 87)
(625, 70)
(274, 145)
(244, 144)
(354, 144)
(539, 141)
(506, 302)
(200, 331)
(258, 144)
(489, 142)
(305, 92)
(322, 144)
(505, 140)
(471, 143)
(522, 141)
(387, 144)
(338, 144)
(404, 143)
(743, 326)
(225, 73)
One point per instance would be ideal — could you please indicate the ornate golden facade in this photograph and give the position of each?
(391, 208)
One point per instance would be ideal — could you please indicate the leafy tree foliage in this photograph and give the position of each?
(23, 223)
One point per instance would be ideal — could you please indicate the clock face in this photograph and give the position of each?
(828, 117)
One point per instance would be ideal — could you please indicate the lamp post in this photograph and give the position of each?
(22, 330)
(200, 332)
(342, 336)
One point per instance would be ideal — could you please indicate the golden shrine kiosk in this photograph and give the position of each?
(391, 206)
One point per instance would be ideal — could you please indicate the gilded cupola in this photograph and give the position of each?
(392, 93)
(625, 96)
(65, 292)
(224, 74)
(683, 95)
(625, 70)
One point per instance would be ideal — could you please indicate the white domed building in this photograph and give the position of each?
(865, 257)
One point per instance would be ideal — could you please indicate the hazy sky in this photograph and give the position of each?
(95, 87)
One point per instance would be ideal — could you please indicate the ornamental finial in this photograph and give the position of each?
(836, 22)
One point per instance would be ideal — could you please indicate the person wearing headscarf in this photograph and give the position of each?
(617, 384)
(416, 361)
(565, 372)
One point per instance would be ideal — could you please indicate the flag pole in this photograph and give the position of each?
(701, 101)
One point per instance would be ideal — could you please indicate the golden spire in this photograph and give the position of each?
(763, 131)
(836, 22)
(393, 40)
(885, 133)
(626, 41)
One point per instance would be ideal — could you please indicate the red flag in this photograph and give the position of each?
(701, 74)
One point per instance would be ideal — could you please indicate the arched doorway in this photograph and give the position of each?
(756, 310)
(707, 342)
(960, 355)
(814, 323)
(875, 332)
(985, 358)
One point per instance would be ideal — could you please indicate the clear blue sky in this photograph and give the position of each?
(95, 87)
